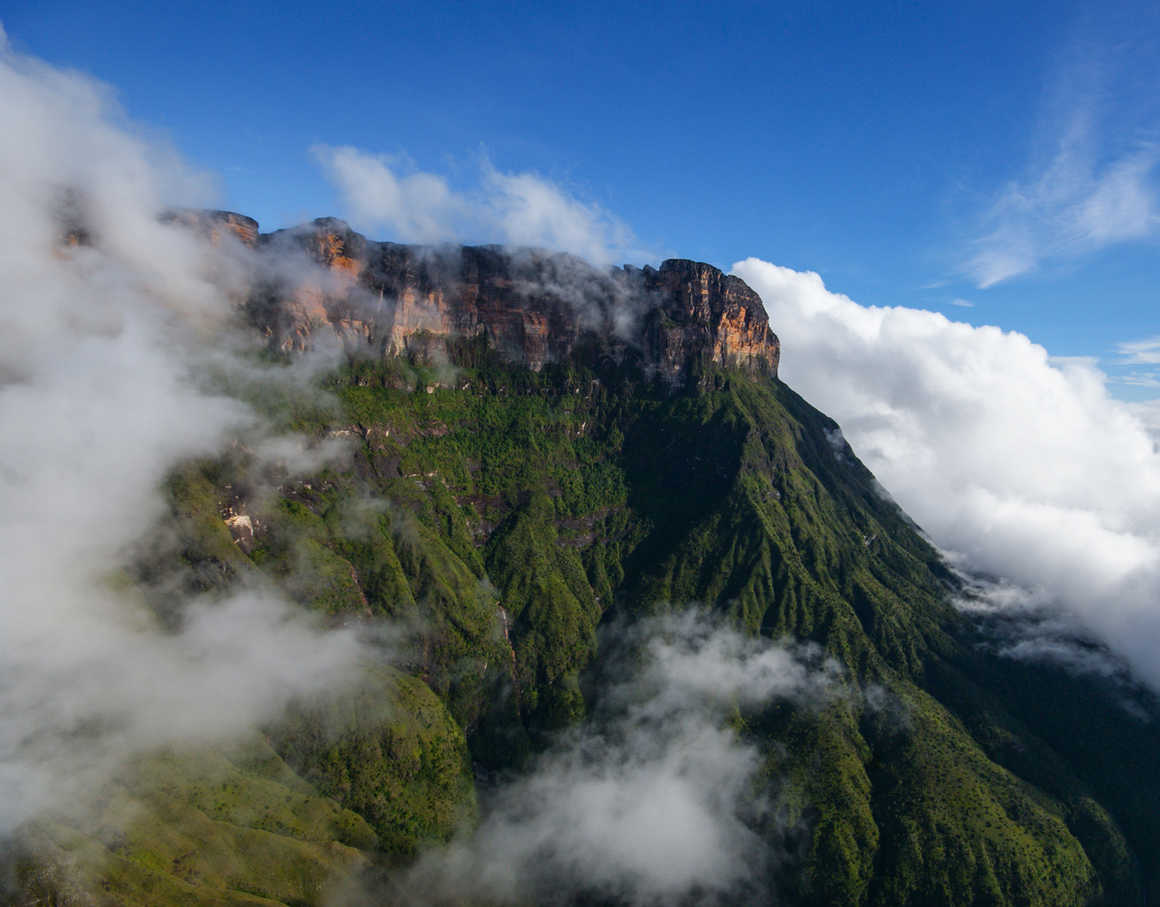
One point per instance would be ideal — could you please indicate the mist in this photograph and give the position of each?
(115, 326)
(1019, 465)
(657, 798)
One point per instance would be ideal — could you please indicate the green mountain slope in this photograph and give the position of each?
(500, 518)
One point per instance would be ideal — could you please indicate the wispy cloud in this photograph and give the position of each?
(523, 209)
(1132, 354)
(418, 207)
(1090, 181)
(1139, 379)
(1074, 206)
(1082, 362)
(1140, 352)
(963, 303)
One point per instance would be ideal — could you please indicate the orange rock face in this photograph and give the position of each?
(242, 227)
(216, 224)
(706, 312)
(534, 307)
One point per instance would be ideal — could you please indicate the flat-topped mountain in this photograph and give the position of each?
(615, 447)
(531, 305)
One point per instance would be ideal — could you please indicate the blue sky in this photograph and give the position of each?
(1000, 154)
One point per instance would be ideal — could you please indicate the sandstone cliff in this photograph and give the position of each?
(533, 306)
(216, 224)
(703, 311)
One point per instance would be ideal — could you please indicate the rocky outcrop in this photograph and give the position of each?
(216, 224)
(706, 312)
(533, 306)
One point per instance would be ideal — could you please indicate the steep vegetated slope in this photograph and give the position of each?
(535, 450)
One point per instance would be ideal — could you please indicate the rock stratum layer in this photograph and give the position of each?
(533, 306)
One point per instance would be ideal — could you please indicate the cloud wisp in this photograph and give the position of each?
(1076, 205)
(1021, 463)
(656, 799)
(518, 209)
(104, 357)
(1091, 181)
(1139, 352)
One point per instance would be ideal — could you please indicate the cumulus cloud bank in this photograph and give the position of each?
(520, 209)
(656, 799)
(103, 354)
(1148, 412)
(1023, 464)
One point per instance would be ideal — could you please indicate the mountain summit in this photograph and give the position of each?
(533, 306)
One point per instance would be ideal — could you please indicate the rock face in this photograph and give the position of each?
(244, 228)
(215, 224)
(703, 310)
(533, 306)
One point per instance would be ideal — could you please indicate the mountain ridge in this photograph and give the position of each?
(532, 305)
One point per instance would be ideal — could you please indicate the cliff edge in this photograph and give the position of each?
(531, 305)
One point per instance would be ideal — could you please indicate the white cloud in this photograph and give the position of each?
(1074, 361)
(1138, 379)
(1080, 202)
(1145, 352)
(531, 211)
(103, 358)
(1120, 203)
(1023, 463)
(417, 207)
(655, 799)
(1140, 352)
(521, 209)
(963, 303)
(1148, 412)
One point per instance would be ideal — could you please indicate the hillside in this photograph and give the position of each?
(539, 455)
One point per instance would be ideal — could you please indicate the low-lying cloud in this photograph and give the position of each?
(1023, 464)
(518, 209)
(657, 798)
(104, 357)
